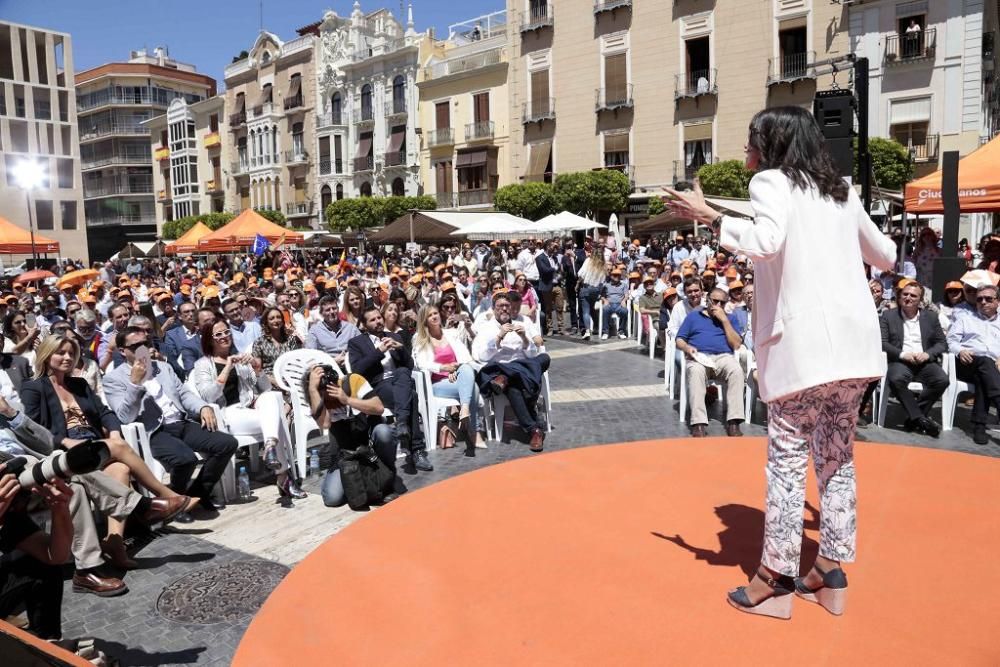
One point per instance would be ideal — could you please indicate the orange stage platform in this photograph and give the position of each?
(623, 554)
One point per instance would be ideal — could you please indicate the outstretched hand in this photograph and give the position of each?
(689, 204)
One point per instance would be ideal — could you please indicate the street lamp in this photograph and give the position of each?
(30, 175)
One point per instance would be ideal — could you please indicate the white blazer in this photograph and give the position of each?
(814, 320)
(423, 358)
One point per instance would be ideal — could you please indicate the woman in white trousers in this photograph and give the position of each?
(247, 405)
(817, 342)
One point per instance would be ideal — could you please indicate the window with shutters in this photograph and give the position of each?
(540, 101)
(366, 102)
(336, 109)
(616, 91)
(481, 107)
(616, 152)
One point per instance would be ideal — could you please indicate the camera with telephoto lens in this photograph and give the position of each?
(329, 377)
(86, 457)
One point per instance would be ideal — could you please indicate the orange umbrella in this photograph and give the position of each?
(32, 276)
(241, 231)
(78, 277)
(188, 242)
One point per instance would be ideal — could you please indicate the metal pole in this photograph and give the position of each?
(864, 158)
(31, 228)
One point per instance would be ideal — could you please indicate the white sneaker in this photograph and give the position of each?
(604, 336)
(622, 335)
(586, 335)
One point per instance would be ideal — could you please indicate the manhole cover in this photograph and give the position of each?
(221, 593)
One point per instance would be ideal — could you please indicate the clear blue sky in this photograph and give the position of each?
(206, 33)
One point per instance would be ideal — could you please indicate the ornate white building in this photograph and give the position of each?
(366, 105)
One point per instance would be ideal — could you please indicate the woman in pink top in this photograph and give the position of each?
(529, 300)
(441, 352)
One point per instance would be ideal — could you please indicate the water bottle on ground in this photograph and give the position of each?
(243, 480)
(314, 463)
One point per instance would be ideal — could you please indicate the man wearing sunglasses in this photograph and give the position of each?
(712, 332)
(975, 340)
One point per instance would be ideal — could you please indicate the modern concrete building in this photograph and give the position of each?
(657, 89)
(38, 123)
(366, 101)
(188, 145)
(464, 114)
(270, 96)
(114, 101)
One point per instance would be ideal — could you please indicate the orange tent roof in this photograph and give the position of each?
(188, 242)
(16, 240)
(241, 231)
(978, 184)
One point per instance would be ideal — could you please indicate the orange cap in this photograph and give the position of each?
(670, 291)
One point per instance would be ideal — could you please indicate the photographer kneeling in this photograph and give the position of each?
(351, 409)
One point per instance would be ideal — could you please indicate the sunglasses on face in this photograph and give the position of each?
(985, 299)
(222, 335)
(718, 302)
(132, 347)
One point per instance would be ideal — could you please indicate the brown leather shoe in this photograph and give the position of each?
(733, 430)
(113, 548)
(499, 384)
(698, 431)
(537, 440)
(164, 509)
(91, 582)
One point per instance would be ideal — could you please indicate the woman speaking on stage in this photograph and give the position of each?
(817, 342)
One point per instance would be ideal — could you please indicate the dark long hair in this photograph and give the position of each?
(789, 139)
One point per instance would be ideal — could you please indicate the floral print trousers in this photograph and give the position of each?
(819, 420)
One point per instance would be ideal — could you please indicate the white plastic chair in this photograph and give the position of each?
(669, 365)
(135, 435)
(949, 400)
(431, 406)
(495, 408)
(684, 388)
(289, 371)
(616, 319)
(752, 390)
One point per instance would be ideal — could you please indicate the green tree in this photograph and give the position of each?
(729, 178)
(656, 206)
(274, 215)
(531, 200)
(892, 164)
(587, 192)
(243, 54)
(364, 212)
(393, 207)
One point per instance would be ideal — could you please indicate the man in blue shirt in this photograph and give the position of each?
(245, 334)
(712, 333)
(975, 341)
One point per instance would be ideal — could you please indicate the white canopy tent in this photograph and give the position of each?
(500, 226)
(564, 221)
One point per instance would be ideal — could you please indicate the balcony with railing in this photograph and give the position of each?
(128, 157)
(364, 116)
(623, 167)
(394, 158)
(292, 46)
(610, 99)
(329, 119)
(926, 151)
(237, 119)
(237, 68)
(444, 136)
(131, 186)
(483, 130)
(116, 96)
(212, 140)
(240, 168)
(537, 111)
(296, 157)
(475, 198)
(469, 63)
(537, 18)
(910, 46)
(395, 107)
(446, 199)
(294, 102)
(113, 129)
(791, 68)
(366, 163)
(696, 83)
(688, 172)
(601, 6)
(328, 166)
(261, 110)
(123, 219)
(298, 208)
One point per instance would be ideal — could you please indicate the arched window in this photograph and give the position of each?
(399, 94)
(340, 191)
(398, 189)
(366, 102)
(325, 197)
(336, 109)
(366, 189)
(266, 58)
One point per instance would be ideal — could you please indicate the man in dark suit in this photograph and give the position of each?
(182, 345)
(570, 269)
(548, 274)
(913, 341)
(384, 361)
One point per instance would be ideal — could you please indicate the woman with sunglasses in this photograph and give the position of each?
(817, 350)
(456, 319)
(238, 385)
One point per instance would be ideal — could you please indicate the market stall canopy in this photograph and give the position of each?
(978, 184)
(188, 242)
(15, 240)
(564, 221)
(497, 226)
(130, 251)
(241, 231)
(431, 226)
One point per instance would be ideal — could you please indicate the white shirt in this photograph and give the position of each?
(170, 412)
(911, 335)
(388, 365)
(485, 348)
(680, 311)
(526, 264)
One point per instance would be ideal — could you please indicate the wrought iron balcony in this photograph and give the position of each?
(328, 119)
(395, 108)
(791, 68)
(926, 151)
(444, 136)
(685, 172)
(696, 83)
(293, 102)
(537, 111)
(364, 116)
(395, 159)
(537, 18)
(446, 199)
(609, 99)
(475, 198)
(296, 157)
(237, 119)
(601, 6)
(910, 46)
(298, 208)
(366, 163)
(479, 131)
(239, 168)
(328, 166)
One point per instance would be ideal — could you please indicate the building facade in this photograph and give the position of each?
(114, 101)
(188, 145)
(366, 101)
(38, 123)
(270, 103)
(658, 89)
(465, 114)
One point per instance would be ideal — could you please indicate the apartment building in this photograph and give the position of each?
(38, 123)
(933, 73)
(656, 90)
(114, 101)
(465, 114)
(188, 145)
(366, 100)
(270, 101)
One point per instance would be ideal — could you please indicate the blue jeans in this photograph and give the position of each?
(383, 442)
(614, 309)
(461, 390)
(586, 298)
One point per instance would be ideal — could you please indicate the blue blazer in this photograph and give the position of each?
(42, 405)
(177, 346)
(546, 274)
